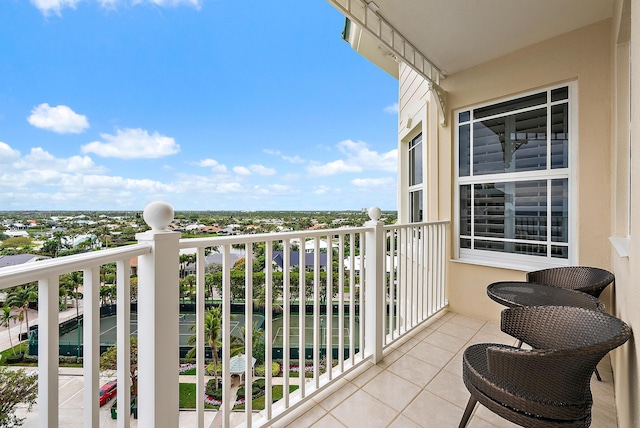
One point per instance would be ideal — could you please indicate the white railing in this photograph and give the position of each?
(384, 281)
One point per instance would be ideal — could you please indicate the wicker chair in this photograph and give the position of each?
(548, 385)
(590, 280)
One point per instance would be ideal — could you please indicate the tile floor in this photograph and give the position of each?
(419, 384)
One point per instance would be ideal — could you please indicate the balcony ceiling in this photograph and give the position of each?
(459, 34)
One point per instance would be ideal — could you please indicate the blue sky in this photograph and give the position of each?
(205, 104)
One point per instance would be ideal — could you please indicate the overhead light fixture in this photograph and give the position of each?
(373, 7)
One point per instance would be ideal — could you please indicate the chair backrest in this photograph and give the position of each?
(591, 280)
(568, 343)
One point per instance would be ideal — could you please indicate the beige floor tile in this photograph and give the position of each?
(403, 422)
(431, 354)
(445, 341)
(390, 358)
(327, 421)
(455, 365)
(486, 414)
(337, 397)
(395, 391)
(366, 376)
(467, 321)
(414, 370)
(305, 420)
(408, 345)
(458, 330)
(424, 333)
(450, 387)
(429, 410)
(361, 410)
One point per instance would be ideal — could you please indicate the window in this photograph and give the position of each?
(513, 181)
(415, 180)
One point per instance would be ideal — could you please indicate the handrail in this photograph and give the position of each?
(30, 272)
(262, 237)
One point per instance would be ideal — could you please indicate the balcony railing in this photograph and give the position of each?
(377, 283)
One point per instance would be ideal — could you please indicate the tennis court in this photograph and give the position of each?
(294, 331)
(108, 328)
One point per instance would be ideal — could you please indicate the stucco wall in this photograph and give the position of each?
(626, 293)
(583, 56)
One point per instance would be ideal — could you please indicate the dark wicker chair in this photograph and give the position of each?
(590, 280)
(548, 385)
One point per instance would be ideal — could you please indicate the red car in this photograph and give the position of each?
(108, 391)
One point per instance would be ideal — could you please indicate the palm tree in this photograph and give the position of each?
(212, 331)
(72, 281)
(5, 321)
(21, 297)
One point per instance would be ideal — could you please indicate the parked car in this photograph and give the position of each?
(108, 391)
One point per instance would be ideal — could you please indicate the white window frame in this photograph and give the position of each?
(417, 187)
(510, 260)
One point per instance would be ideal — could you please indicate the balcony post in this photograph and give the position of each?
(158, 312)
(374, 286)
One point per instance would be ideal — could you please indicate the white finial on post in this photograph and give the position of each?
(158, 215)
(375, 213)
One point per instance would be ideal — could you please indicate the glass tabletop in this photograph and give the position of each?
(521, 293)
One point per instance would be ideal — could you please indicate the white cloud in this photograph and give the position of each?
(213, 164)
(47, 7)
(262, 170)
(41, 160)
(133, 144)
(274, 189)
(166, 3)
(292, 159)
(321, 190)
(241, 170)
(392, 109)
(375, 183)
(60, 119)
(358, 158)
(7, 154)
(254, 169)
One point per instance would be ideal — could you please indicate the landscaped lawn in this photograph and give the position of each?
(276, 393)
(188, 397)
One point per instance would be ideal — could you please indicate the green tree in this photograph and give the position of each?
(109, 361)
(21, 297)
(212, 331)
(15, 387)
(5, 321)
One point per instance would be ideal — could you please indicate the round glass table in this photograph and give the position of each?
(521, 293)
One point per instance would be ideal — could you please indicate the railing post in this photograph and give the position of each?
(158, 312)
(374, 286)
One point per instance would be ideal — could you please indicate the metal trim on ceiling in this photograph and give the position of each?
(366, 16)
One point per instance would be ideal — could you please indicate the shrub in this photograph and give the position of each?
(275, 369)
(14, 359)
(211, 391)
(68, 359)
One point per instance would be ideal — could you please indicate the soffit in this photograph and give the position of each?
(458, 34)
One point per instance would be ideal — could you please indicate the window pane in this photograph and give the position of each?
(464, 151)
(415, 161)
(510, 144)
(465, 243)
(560, 94)
(560, 210)
(531, 249)
(512, 210)
(465, 210)
(464, 116)
(559, 252)
(415, 208)
(560, 136)
(513, 105)
(489, 245)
